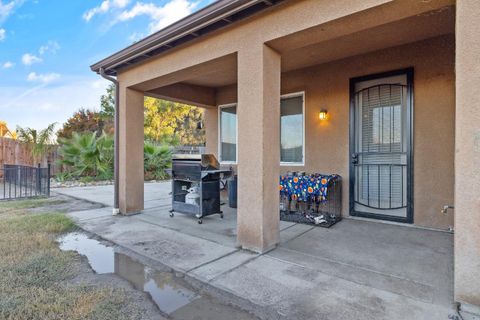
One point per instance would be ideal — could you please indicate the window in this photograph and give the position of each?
(291, 129)
(228, 133)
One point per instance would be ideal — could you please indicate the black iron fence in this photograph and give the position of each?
(17, 181)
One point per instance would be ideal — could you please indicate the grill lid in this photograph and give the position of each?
(207, 161)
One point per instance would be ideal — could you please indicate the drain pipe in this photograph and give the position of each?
(116, 207)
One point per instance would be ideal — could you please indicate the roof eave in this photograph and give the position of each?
(216, 12)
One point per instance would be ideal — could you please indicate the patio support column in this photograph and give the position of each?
(131, 151)
(467, 156)
(258, 147)
(211, 131)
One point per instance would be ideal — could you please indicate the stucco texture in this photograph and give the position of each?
(467, 157)
(326, 86)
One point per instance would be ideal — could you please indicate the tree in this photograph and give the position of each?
(107, 104)
(173, 123)
(165, 122)
(5, 132)
(83, 120)
(42, 140)
(156, 160)
(88, 155)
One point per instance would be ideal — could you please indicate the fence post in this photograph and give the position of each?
(48, 179)
(38, 190)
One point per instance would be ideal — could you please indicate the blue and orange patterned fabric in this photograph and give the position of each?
(307, 188)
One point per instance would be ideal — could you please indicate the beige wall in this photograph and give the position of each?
(327, 143)
(348, 16)
(467, 158)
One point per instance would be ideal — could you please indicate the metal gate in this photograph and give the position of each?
(17, 181)
(381, 148)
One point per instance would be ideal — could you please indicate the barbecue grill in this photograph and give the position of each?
(196, 185)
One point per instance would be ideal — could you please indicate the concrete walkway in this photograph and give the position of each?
(354, 270)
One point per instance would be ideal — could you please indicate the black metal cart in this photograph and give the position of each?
(200, 172)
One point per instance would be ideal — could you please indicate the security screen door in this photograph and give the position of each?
(381, 145)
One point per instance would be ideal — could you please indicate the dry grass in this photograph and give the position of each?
(9, 206)
(34, 272)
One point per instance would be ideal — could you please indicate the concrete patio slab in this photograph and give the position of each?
(156, 194)
(215, 229)
(297, 292)
(293, 231)
(354, 270)
(80, 216)
(382, 281)
(421, 258)
(179, 251)
(216, 268)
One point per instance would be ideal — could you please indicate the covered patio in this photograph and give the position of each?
(242, 58)
(349, 271)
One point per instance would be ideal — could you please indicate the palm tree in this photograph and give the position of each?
(87, 155)
(41, 140)
(5, 132)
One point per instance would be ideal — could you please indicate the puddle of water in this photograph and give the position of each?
(162, 287)
(100, 257)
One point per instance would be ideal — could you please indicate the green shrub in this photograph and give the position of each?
(89, 158)
(156, 160)
(63, 176)
(87, 155)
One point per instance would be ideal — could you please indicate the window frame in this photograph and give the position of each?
(282, 163)
(220, 107)
(294, 95)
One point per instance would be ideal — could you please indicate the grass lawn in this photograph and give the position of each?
(37, 279)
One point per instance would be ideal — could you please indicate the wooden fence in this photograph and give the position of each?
(19, 153)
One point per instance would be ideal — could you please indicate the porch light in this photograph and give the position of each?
(323, 115)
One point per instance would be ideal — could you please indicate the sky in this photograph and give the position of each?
(47, 47)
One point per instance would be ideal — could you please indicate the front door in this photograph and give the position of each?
(381, 146)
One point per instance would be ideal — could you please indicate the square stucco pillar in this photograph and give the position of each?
(211, 130)
(258, 147)
(467, 156)
(131, 151)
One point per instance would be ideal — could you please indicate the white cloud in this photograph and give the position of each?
(50, 47)
(2, 34)
(6, 9)
(29, 59)
(43, 78)
(25, 106)
(100, 84)
(160, 16)
(136, 36)
(104, 7)
(8, 65)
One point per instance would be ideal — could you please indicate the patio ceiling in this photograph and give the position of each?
(412, 29)
(197, 85)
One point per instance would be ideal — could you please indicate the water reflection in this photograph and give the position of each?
(163, 287)
(100, 257)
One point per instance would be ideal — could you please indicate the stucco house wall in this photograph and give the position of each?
(327, 143)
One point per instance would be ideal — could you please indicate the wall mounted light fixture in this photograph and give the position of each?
(323, 115)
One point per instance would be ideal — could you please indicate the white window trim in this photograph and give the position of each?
(220, 107)
(293, 95)
(292, 164)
